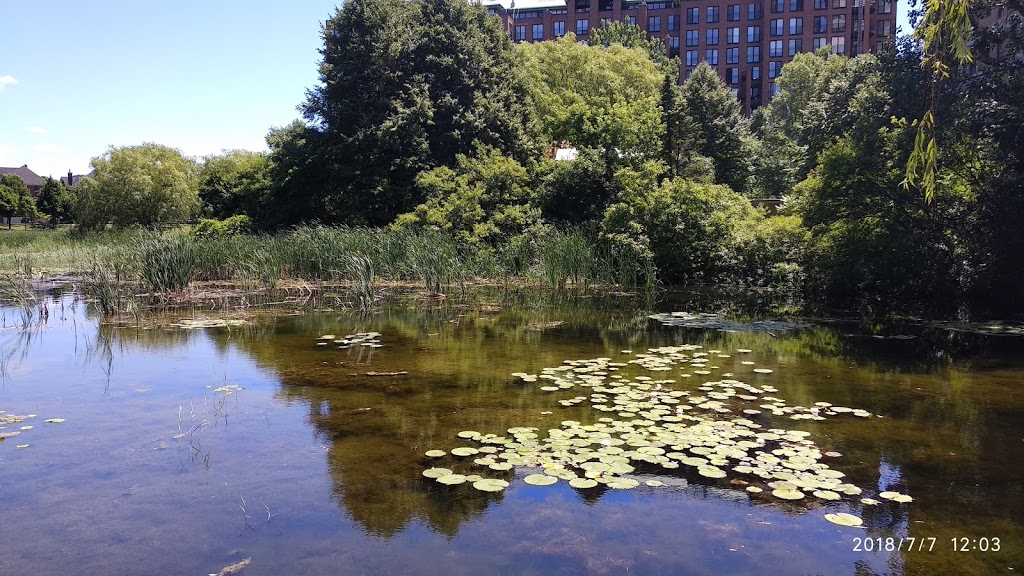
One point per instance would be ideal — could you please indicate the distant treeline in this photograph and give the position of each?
(429, 120)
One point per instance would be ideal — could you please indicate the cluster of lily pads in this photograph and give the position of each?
(707, 431)
(720, 323)
(14, 419)
(196, 323)
(368, 339)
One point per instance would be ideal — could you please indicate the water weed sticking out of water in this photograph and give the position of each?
(662, 426)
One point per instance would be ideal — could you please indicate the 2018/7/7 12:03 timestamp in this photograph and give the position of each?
(912, 544)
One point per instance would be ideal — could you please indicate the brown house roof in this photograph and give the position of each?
(30, 178)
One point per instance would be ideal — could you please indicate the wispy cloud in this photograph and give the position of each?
(34, 129)
(7, 80)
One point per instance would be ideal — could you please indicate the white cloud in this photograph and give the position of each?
(34, 129)
(6, 81)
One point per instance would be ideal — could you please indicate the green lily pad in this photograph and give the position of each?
(788, 494)
(464, 451)
(452, 479)
(490, 485)
(434, 453)
(540, 480)
(844, 519)
(654, 483)
(826, 495)
(436, 472)
(763, 370)
(468, 434)
(582, 483)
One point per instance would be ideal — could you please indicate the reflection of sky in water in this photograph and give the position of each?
(112, 488)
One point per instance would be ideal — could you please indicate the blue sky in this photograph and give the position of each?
(77, 77)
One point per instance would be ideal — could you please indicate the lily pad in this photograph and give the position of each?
(788, 494)
(464, 451)
(582, 483)
(844, 519)
(452, 479)
(540, 480)
(436, 472)
(490, 485)
(434, 453)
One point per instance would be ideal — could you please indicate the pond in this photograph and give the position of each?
(190, 442)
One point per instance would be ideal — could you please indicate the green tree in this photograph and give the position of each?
(576, 191)
(690, 228)
(720, 130)
(147, 185)
(596, 97)
(55, 200)
(15, 198)
(681, 138)
(632, 36)
(484, 198)
(233, 183)
(405, 87)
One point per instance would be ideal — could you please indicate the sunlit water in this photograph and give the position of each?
(315, 467)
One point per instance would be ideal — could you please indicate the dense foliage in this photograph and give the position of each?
(147, 185)
(429, 124)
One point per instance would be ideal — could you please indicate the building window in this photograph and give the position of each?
(773, 89)
(733, 13)
(654, 23)
(839, 23)
(839, 3)
(774, 68)
(691, 57)
(559, 29)
(673, 23)
(775, 27)
(885, 28)
(796, 46)
(631, 20)
(820, 24)
(753, 54)
(582, 27)
(732, 55)
(711, 55)
(885, 7)
(796, 5)
(693, 37)
(753, 33)
(839, 44)
(820, 4)
(819, 42)
(755, 72)
(712, 14)
(732, 75)
(775, 49)
(693, 15)
(796, 26)
(673, 42)
(538, 31)
(711, 37)
(520, 33)
(755, 94)
(753, 11)
(732, 36)
(777, 6)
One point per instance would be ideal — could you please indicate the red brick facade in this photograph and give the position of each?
(746, 41)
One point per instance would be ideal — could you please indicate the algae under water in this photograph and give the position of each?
(202, 440)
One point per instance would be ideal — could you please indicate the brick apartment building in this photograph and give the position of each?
(746, 41)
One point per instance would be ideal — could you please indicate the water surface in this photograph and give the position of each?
(313, 467)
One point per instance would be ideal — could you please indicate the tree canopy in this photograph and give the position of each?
(146, 185)
(598, 97)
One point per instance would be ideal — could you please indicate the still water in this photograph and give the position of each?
(187, 450)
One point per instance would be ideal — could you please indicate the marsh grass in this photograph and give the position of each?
(116, 263)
